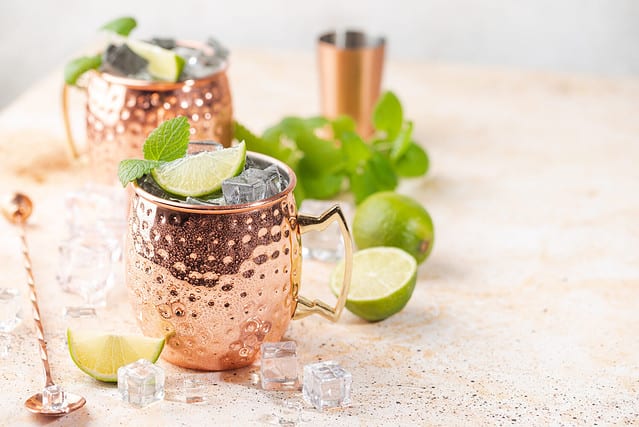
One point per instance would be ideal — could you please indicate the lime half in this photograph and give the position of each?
(382, 282)
(100, 355)
(202, 173)
(164, 64)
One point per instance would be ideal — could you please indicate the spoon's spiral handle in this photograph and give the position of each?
(44, 356)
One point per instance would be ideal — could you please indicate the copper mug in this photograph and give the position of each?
(217, 281)
(121, 112)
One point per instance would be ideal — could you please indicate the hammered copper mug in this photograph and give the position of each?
(121, 112)
(217, 281)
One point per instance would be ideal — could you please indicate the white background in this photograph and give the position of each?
(585, 36)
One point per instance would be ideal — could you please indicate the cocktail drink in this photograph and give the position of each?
(139, 85)
(220, 274)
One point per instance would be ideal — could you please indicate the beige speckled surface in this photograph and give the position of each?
(526, 313)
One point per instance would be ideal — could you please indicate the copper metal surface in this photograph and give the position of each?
(121, 112)
(350, 74)
(17, 210)
(219, 281)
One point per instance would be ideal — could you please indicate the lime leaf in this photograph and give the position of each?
(100, 355)
(131, 169)
(402, 141)
(163, 64)
(413, 163)
(121, 26)
(382, 282)
(169, 141)
(74, 69)
(387, 115)
(202, 173)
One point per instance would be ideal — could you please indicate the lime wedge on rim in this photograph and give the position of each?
(202, 173)
(382, 282)
(164, 64)
(100, 355)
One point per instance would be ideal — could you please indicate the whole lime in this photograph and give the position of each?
(391, 219)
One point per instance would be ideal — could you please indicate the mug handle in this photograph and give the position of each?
(67, 122)
(305, 306)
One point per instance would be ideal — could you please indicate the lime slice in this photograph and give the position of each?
(202, 173)
(100, 355)
(382, 282)
(164, 64)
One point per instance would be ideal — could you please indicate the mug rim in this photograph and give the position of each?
(161, 85)
(242, 207)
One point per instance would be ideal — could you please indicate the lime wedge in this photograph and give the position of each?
(202, 173)
(100, 355)
(164, 64)
(382, 282)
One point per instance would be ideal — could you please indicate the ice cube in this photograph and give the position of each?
(327, 245)
(141, 383)
(271, 177)
(327, 385)
(10, 309)
(163, 42)
(279, 365)
(121, 59)
(243, 189)
(54, 398)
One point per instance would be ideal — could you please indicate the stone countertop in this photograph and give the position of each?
(526, 312)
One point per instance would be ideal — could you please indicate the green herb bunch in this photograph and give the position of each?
(326, 167)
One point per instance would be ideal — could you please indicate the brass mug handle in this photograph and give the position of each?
(307, 223)
(67, 122)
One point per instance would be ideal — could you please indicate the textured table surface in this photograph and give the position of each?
(526, 313)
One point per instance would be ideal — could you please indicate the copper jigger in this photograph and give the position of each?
(350, 71)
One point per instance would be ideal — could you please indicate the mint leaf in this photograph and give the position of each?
(169, 141)
(355, 151)
(413, 163)
(343, 124)
(121, 26)
(402, 141)
(74, 69)
(387, 115)
(132, 169)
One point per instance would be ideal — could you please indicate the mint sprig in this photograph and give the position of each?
(122, 26)
(327, 166)
(169, 141)
(166, 143)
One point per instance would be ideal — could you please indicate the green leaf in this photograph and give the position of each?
(74, 69)
(271, 148)
(387, 115)
(376, 175)
(402, 142)
(343, 124)
(132, 169)
(355, 151)
(383, 171)
(121, 26)
(413, 163)
(169, 141)
(322, 186)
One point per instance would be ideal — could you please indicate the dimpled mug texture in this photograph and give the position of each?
(217, 282)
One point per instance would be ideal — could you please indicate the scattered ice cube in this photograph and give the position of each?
(193, 390)
(10, 309)
(120, 59)
(326, 245)
(79, 312)
(54, 397)
(141, 383)
(85, 268)
(6, 344)
(327, 385)
(279, 365)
